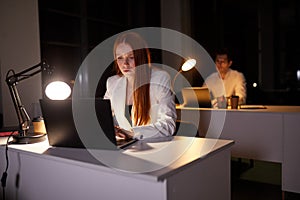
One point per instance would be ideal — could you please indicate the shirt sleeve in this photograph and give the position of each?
(240, 89)
(107, 95)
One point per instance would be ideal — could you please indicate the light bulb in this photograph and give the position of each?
(58, 90)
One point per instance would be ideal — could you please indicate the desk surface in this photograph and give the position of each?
(150, 160)
(251, 108)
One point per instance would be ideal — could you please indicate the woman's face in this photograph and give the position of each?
(125, 59)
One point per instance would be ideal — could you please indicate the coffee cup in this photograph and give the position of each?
(234, 100)
(38, 125)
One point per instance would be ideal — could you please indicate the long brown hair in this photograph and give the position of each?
(141, 94)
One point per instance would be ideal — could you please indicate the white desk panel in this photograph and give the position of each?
(270, 134)
(66, 173)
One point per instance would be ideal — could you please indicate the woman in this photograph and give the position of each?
(142, 102)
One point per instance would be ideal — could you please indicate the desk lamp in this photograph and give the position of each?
(187, 65)
(12, 80)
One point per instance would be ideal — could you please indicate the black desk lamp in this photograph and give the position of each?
(12, 80)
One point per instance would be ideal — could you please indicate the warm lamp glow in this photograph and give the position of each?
(58, 90)
(189, 64)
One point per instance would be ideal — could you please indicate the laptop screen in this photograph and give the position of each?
(61, 129)
(196, 96)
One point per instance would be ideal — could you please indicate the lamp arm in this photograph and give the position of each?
(25, 74)
(174, 79)
(12, 81)
(23, 117)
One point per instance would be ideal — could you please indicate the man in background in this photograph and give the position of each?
(234, 82)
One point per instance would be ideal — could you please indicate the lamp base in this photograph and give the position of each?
(29, 138)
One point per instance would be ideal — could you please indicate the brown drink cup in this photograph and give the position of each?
(38, 125)
(234, 102)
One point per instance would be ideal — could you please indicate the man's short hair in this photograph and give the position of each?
(224, 51)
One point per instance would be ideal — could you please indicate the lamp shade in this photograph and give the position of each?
(58, 90)
(189, 64)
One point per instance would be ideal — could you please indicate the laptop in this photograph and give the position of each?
(196, 97)
(62, 132)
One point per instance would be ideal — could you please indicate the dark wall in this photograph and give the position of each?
(262, 34)
(70, 29)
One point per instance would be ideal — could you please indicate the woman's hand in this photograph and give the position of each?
(122, 133)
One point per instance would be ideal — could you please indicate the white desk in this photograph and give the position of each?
(202, 171)
(271, 134)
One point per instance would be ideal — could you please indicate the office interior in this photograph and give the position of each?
(262, 34)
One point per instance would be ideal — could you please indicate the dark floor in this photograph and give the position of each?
(250, 190)
(243, 189)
